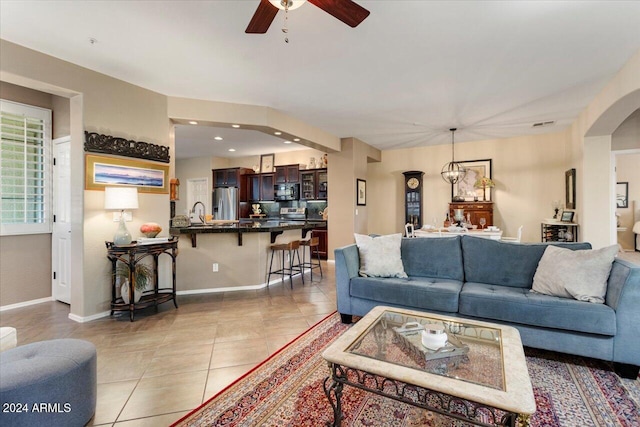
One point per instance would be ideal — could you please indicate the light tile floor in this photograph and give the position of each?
(156, 369)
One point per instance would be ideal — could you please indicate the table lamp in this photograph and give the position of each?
(121, 198)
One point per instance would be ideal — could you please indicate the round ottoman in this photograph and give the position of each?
(48, 383)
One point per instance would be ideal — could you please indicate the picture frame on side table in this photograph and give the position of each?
(465, 188)
(148, 177)
(361, 192)
(567, 216)
(266, 163)
(622, 195)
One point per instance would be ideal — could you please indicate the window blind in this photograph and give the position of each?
(25, 169)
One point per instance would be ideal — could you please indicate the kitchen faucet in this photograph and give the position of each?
(204, 209)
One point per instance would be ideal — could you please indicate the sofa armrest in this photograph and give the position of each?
(347, 261)
(623, 295)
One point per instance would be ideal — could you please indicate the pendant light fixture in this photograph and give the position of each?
(453, 171)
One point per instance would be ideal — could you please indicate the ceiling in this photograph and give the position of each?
(409, 72)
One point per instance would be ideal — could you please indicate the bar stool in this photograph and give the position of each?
(312, 243)
(291, 249)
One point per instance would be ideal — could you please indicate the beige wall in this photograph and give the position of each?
(345, 216)
(528, 171)
(105, 105)
(25, 266)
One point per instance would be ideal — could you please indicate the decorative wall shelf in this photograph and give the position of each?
(107, 144)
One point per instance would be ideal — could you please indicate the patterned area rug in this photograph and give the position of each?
(286, 390)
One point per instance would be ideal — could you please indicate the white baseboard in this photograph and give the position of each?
(25, 303)
(81, 319)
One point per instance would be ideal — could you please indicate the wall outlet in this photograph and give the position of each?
(215, 267)
(356, 211)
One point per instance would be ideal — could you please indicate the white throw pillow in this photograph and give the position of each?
(380, 256)
(580, 274)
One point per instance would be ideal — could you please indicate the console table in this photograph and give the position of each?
(133, 254)
(556, 231)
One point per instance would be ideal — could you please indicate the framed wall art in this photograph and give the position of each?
(570, 188)
(465, 190)
(361, 192)
(148, 177)
(266, 163)
(622, 195)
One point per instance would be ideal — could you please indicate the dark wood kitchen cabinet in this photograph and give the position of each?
(287, 173)
(228, 177)
(313, 184)
(261, 187)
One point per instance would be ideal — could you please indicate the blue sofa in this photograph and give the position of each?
(476, 278)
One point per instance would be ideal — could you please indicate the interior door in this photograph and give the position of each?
(61, 234)
(198, 191)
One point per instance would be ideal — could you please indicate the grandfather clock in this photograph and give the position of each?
(413, 198)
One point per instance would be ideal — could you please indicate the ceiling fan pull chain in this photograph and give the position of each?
(285, 30)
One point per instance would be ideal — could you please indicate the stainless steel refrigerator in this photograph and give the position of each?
(225, 203)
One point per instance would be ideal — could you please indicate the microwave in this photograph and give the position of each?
(286, 192)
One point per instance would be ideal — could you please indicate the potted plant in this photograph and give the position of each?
(143, 275)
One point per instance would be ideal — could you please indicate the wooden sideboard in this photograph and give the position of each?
(477, 210)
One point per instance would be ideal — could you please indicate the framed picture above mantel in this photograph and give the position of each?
(465, 190)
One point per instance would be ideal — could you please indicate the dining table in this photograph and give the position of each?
(494, 234)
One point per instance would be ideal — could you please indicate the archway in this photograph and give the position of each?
(598, 188)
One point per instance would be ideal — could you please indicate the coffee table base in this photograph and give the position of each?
(420, 397)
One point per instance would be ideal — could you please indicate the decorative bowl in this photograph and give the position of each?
(150, 229)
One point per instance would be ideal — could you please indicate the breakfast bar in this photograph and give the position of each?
(233, 256)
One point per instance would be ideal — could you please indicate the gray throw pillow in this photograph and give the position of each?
(380, 256)
(580, 274)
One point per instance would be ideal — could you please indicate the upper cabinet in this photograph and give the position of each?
(313, 184)
(287, 173)
(261, 187)
(228, 177)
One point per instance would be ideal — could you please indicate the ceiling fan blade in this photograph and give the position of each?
(261, 20)
(346, 11)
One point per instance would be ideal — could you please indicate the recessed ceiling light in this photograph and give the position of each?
(277, 133)
(287, 142)
(296, 139)
(217, 138)
(235, 126)
(232, 149)
(193, 122)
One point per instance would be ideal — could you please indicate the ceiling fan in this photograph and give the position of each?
(346, 11)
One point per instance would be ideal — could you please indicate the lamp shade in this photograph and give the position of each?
(120, 198)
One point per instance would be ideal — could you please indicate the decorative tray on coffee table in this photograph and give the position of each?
(410, 337)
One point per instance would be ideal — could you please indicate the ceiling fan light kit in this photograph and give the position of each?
(453, 171)
(287, 4)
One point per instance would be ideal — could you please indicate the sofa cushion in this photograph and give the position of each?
(578, 274)
(519, 305)
(414, 292)
(380, 256)
(437, 258)
(505, 264)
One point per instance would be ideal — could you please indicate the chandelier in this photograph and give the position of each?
(453, 171)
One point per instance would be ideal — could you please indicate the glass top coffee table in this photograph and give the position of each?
(478, 376)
